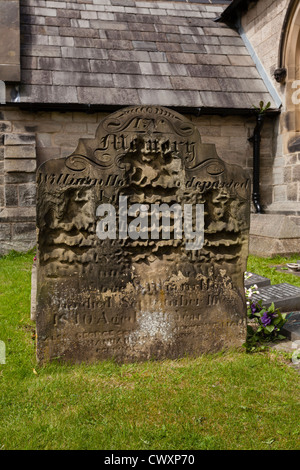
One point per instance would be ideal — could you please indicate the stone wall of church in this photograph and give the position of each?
(27, 139)
(263, 26)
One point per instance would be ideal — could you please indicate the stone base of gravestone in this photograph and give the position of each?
(291, 328)
(285, 296)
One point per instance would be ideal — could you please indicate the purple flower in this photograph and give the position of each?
(266, 319)
(253, 308)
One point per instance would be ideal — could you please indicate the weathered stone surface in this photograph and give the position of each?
(148, 295)
(273, 234)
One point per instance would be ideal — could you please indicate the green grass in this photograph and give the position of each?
(266, 267)
(231, 400)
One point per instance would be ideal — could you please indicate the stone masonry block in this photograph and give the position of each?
(27, 194)
(287, 174)
(1, 195)
(16, 177)
(11, 214)
(291, 159)
(279, 194)
(24, 230)
(24, 165)
(19, 139)
(296, 173)
(292, 192)
(19, 151)
(5, 126)
(11, 195)
(5, 231)
(278, 175)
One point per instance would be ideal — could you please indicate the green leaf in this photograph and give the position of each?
(271, 309)
(281, 337)
(269, 328)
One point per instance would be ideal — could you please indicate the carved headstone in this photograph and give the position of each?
(118, 277)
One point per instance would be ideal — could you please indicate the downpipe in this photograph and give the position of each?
(255, 140)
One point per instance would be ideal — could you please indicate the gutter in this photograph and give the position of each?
(95, 108)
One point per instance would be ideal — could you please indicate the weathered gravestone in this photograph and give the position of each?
(119, 278)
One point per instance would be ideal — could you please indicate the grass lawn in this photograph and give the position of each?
(265, 267)
(232, 400)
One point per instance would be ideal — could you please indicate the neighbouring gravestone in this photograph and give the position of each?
(256, 279)
(284, 296)
(123, 269)
(292, 326)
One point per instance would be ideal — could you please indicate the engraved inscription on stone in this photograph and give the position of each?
(285, 296)
(148, 293)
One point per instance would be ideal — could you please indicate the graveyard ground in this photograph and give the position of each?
(231, 400)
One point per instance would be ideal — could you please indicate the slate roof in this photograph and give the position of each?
(127, 52)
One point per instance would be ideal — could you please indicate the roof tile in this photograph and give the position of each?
(107, 96)
(192, 83)
(170, 97)
(127, 52)
(84, 53)
(80, 79)
(142, 81)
